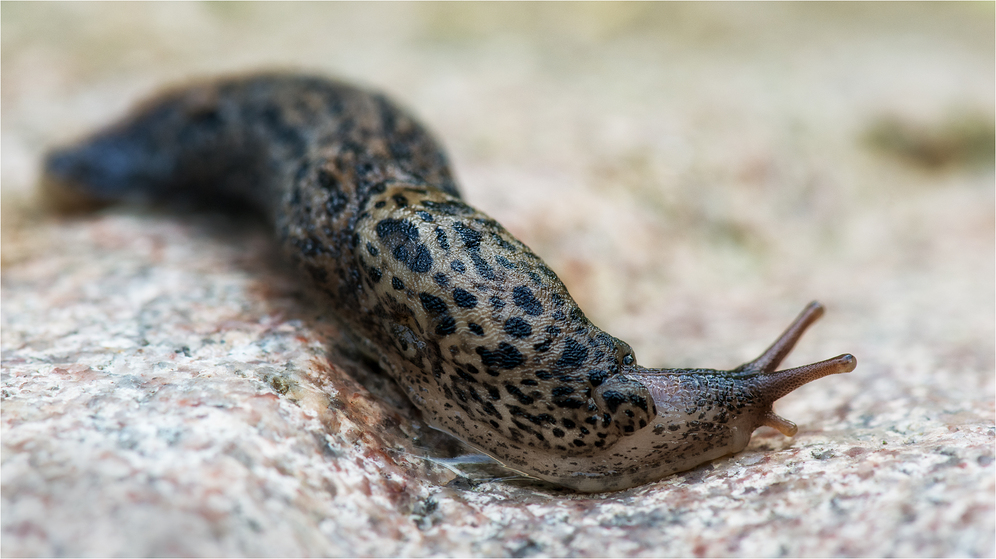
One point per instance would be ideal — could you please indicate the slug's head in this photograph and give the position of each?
(727, 406)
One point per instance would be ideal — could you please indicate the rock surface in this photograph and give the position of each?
(695, 174)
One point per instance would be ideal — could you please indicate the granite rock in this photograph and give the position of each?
(170, 387)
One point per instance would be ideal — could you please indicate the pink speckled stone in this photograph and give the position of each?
(695, 174)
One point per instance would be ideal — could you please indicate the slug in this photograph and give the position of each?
(478, 331)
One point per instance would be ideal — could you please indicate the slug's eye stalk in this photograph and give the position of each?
(772, 385)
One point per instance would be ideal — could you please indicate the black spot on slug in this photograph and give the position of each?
(432, 304)
(397, 283)
(464, 298)
(441, 238)
(401, 236)
(421, 262)
(471, 238)
(388, 228)
(562, 391)
(518, 328)
(514, 391)
(483, 268)
(597, 377)
(504, 262)
(506, 356)
(446, 326)
(523, 298)
(574, 354)
(614, 399)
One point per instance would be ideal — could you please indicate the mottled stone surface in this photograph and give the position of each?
(695, 173)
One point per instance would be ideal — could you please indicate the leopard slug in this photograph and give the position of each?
(478, 331)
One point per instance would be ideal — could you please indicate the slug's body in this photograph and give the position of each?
(481, 334)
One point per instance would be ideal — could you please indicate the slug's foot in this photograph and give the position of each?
(772, 384)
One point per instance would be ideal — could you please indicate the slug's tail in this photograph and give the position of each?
(109, 167)
(772, 385)
(202, 142)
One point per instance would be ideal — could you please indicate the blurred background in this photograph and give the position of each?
(694, 172)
